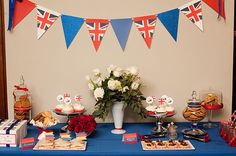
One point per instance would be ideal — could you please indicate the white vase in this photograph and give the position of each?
(118, 115)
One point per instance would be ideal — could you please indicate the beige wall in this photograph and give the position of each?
(196, 62)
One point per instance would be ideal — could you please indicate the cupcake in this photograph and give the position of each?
(67, 109)
(170, 109)
(78, 107)
(59, 107)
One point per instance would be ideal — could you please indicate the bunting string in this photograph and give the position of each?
(19, 9)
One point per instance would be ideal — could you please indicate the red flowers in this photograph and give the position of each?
(82, 123)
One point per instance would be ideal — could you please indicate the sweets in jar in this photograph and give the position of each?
(22, 102)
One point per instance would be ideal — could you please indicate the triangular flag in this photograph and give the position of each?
(193, 11)
(217, 5)
(170, 19)
(97, 29)
(146, 26)
(122, 28)
(71, 26)
(22, 9)
(45, 18)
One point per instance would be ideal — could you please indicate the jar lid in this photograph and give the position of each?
(194, 101)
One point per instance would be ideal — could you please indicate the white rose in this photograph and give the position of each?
(111, 84)
(91, 86)
(111, 68)
(98, 93)
(133, 70)
(125, 89)
(99, 81)
(117, 72)
(118, 85)
(96, 72)
(134, 85)
(87, 78)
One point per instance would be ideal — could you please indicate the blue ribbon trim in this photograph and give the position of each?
(9, 128)
(11, 14)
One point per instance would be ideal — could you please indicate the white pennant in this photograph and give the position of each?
(45, 19)
(193, 11)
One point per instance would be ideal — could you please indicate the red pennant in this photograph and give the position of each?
(22, 9)
(214, 4)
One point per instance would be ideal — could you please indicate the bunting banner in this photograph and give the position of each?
(97, 29)
(22, 9)
(218, 6)
(71, 26)
(170, 19)
(146, 26)
(45, 19)
(19, 9)
(193, 11)
(122, 28)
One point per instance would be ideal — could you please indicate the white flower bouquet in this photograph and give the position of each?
(120, 85)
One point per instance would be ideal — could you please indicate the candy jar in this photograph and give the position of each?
(211, 100)
(194, 113)
(22, 101)
(172, 131)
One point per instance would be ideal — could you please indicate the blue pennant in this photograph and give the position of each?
(170, 20)
(71, 26)
(121, 28)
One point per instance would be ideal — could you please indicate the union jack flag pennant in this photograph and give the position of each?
(97, 29)
(193, 11)
(146, 26)
(45, 18)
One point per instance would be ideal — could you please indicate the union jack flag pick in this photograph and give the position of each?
(193, 11)
(146, 26)
(45, 18)
(97, 29)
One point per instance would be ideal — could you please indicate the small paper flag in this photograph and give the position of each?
(71, 26)
(146, 26)
(219, 8)
(170, 19)
(97, 29)
(193, 11)
(22, 9)
(45, 19)
(122, 28)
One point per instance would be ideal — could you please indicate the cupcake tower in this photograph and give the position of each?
(66, 106)
(164, 106)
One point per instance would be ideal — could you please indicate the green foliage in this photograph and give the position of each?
(126, 89)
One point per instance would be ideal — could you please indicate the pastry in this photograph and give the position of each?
(194, 114)
(76, 144)
(78, 107)
(151, 108)
(45, 144)
(59, 107)
(170, 109)
(183, 144)
(62, 144)
(160, 144)
(44, 119)
(160, 110)
(172, 144)
(68, 109)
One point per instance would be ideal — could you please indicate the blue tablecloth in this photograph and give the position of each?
(102, 142)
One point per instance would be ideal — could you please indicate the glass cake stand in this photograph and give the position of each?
(159, 129)
(69, 116)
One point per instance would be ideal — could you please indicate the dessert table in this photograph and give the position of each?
(102, 142)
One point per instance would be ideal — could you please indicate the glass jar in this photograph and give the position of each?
(194, 113)
(172, 131)
(22, 102)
